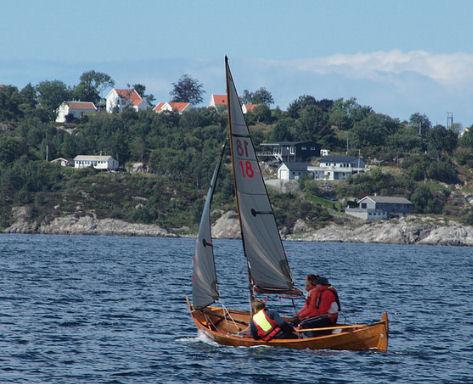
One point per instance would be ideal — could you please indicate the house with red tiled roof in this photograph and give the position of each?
(218, 101)
(76, 109)
(248, 107)
(175, 106)
(122, 98)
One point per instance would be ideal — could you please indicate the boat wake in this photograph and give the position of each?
(200, 338)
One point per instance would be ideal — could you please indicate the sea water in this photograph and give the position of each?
(96, 309)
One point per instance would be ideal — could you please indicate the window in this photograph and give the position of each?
(363, 205)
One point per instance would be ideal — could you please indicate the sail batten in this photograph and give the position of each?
(204, 277)
(267, 262)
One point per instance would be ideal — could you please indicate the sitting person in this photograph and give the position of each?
(267, 324)
(321, 306)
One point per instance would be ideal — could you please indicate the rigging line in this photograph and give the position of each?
(225, 309)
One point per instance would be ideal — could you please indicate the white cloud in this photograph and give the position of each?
(446, 69)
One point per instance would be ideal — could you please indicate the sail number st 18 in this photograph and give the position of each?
(246, 167)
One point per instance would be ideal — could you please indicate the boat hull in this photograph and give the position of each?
(223, 327)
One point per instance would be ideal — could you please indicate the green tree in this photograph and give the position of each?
(313, 125)
(440, 139)
(260, 96)
(374, 129)
(141, 89)
(425, 201)
(91, 85)
(261, 114)
(28, 99)
(10, 101)
(283, 130)
(299, 104)
(51, 94)
(188, 90)
(420, 123)
(466, 139)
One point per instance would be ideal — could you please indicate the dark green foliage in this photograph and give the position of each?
(51, 94)
(91, 85)
(425, 201)
(374, 129)
(423, 167)
(10, 101)
(290, 207)
(187, 89)
(467, 138)
(260, 96)
(313, 125)
(181, 151)
(464, 156)
(283, 130)
(376, 182)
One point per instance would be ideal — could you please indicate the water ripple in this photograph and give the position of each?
(97, 309)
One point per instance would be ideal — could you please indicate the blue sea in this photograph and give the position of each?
(96, 309)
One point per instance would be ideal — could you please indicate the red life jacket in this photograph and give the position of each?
(332, 316)
(267, 328)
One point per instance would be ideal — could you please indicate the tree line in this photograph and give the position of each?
(180, 150)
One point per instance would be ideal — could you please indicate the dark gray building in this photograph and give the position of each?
(288, 151)
(389, 204)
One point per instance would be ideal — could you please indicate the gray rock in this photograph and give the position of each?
(227, 226)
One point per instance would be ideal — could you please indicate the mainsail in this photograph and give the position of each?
(204, 278)
(267, 262)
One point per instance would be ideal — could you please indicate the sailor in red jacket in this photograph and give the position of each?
(321, 306)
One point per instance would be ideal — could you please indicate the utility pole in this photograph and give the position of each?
(449, 120)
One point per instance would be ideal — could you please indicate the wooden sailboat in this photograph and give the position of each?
(268, 267)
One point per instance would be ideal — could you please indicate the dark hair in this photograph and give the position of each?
(311, 278)
(258, 304)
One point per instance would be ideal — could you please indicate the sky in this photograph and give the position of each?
(397, 56)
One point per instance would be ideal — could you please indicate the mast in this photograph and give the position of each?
(230, 130)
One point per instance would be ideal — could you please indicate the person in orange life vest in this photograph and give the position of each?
(267, 324)
(322, 304)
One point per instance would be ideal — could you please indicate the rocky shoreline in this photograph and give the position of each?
(412, 229)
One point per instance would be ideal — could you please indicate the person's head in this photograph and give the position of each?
(321, 280)
(257, 305)
(310, 281)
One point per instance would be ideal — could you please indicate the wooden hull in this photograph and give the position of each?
(223, 327)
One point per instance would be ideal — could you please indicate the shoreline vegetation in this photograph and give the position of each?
(166, 161)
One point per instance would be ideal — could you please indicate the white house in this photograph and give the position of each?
(122, 98)
(324, 152)
(221, 101)
(107, 163)
(292, 171)
(176, 106)
(76, 109)
(334, 167)
(61, 161)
